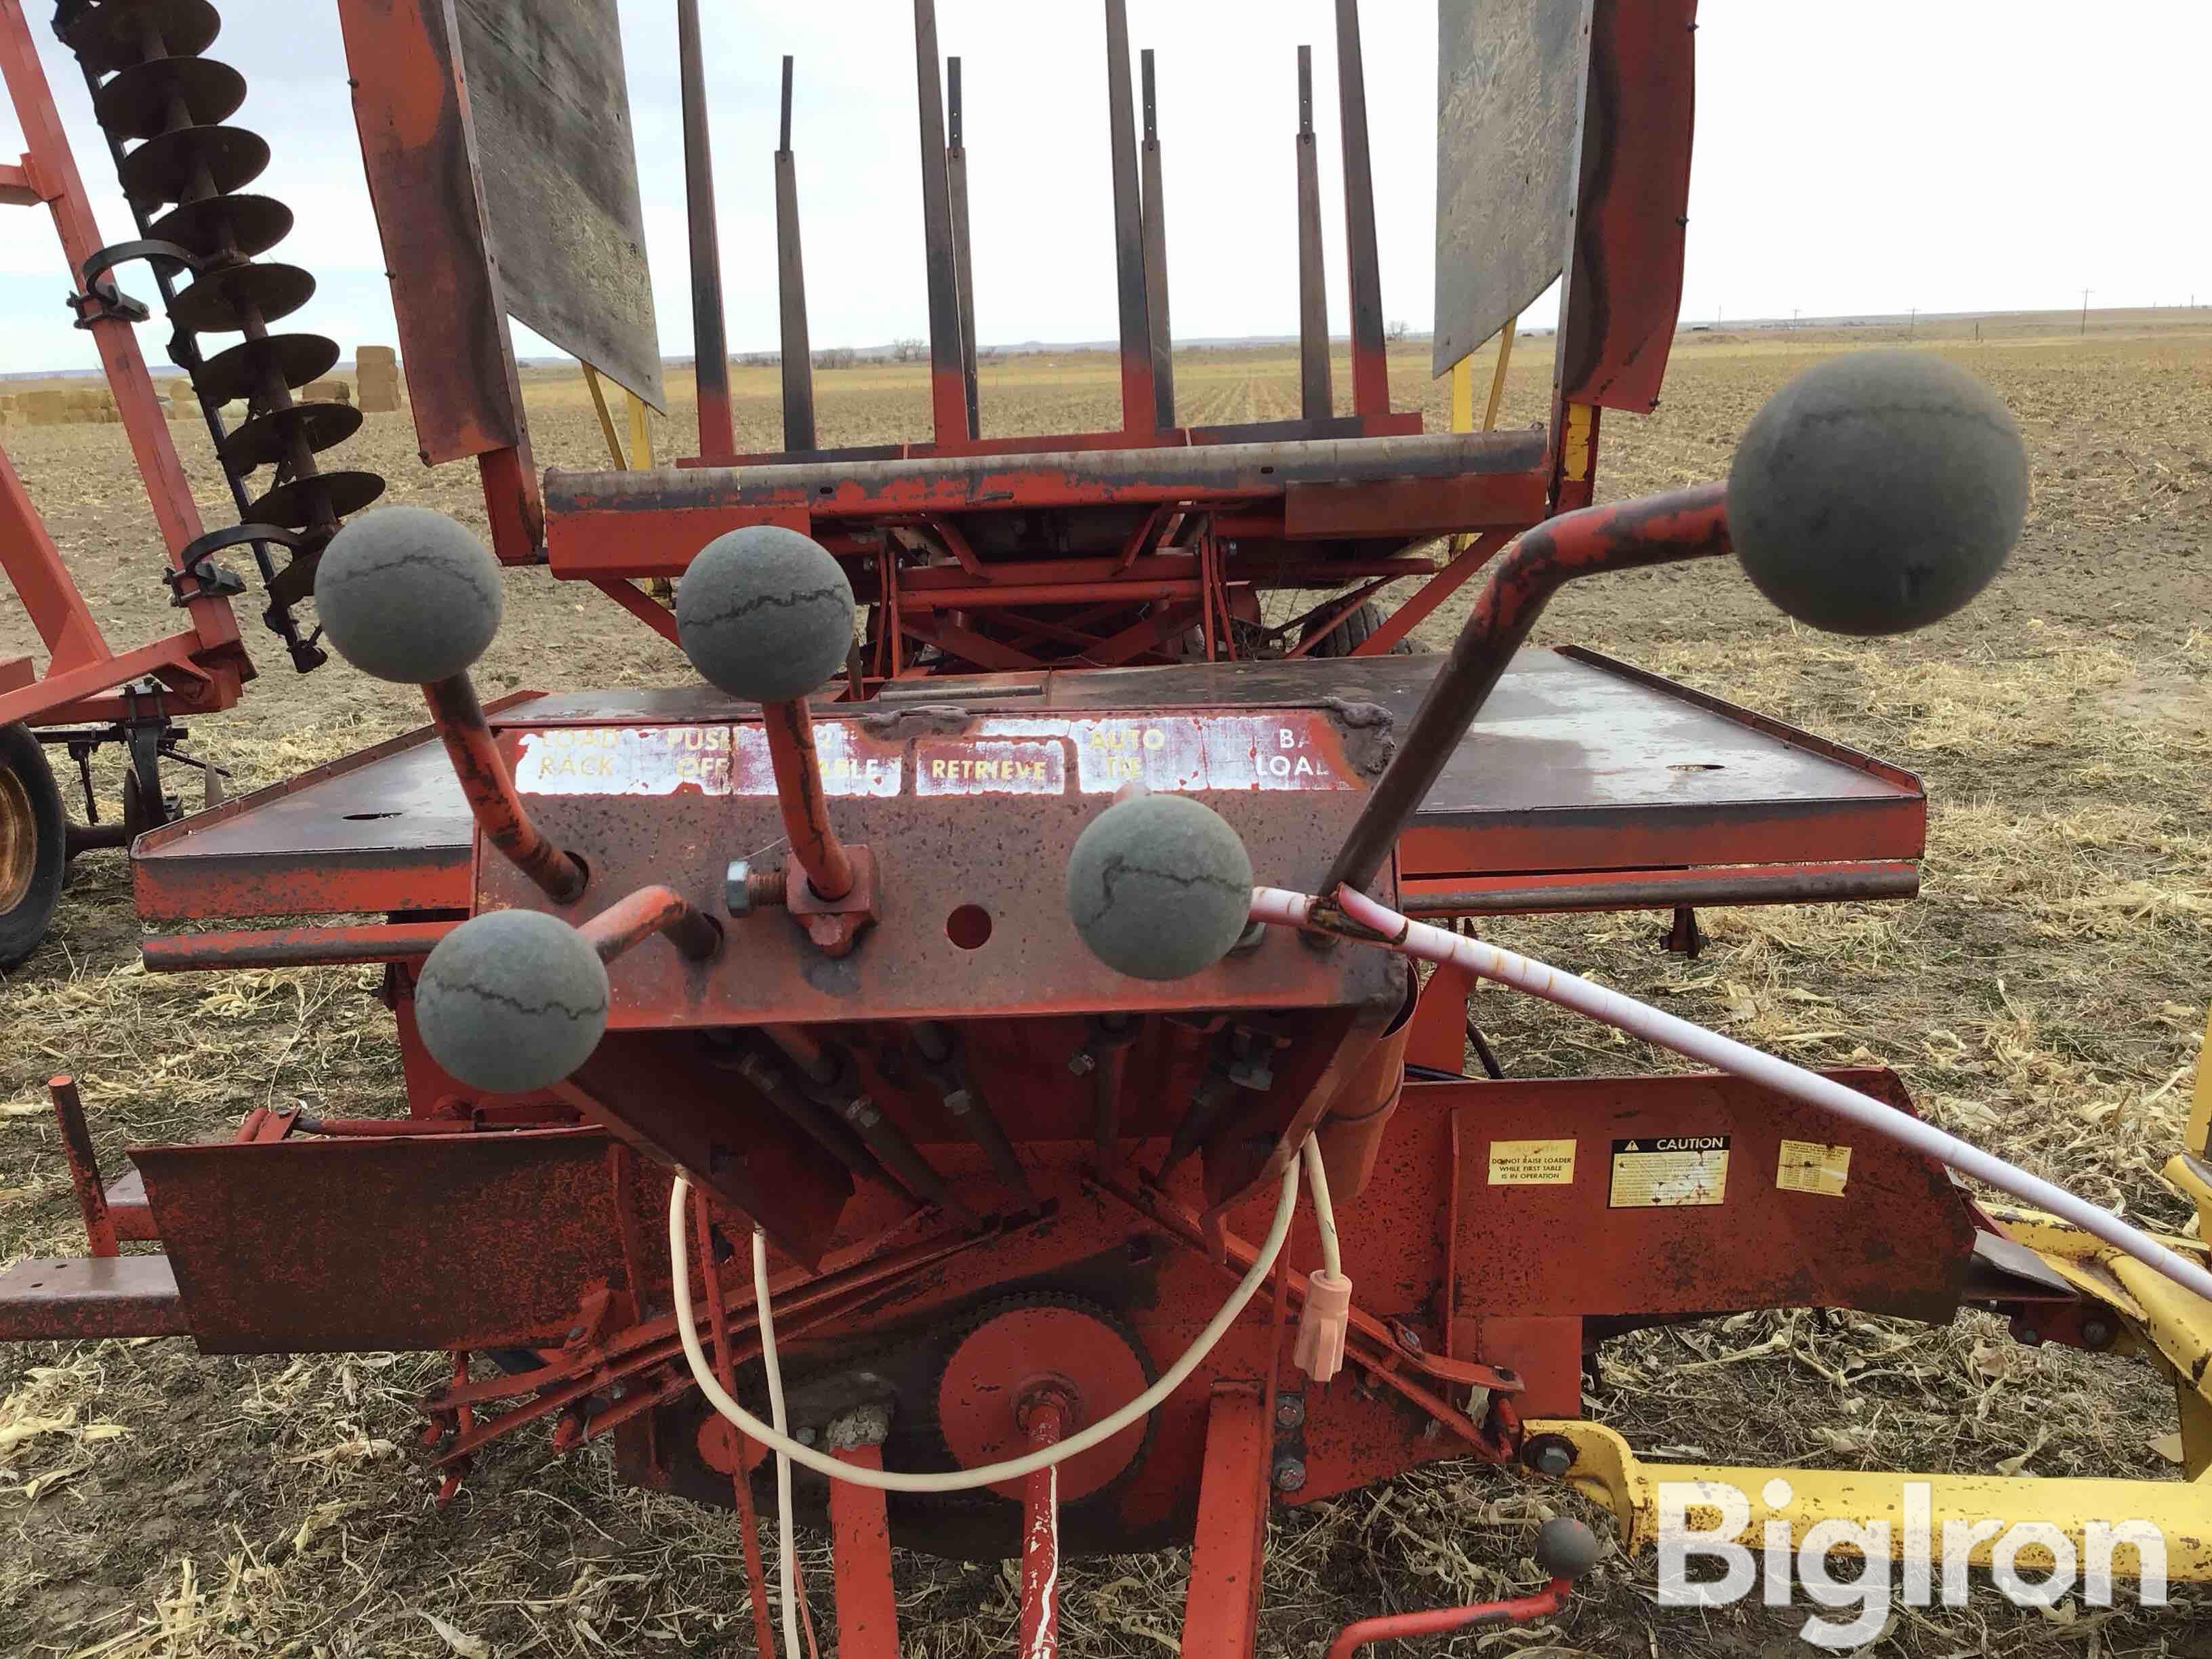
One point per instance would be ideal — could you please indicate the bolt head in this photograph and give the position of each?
(1290, 1473)
(1554, 1459)
(1082, 1062)
(737, 894)
(2095, 1333)
(1289, 1411)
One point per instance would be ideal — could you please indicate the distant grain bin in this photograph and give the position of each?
(377, 367)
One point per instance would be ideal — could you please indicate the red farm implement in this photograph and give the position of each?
(879, 1081)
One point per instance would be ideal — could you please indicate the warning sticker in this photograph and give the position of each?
(1653, 1172)
(1812, 1166)
(1532, 1163)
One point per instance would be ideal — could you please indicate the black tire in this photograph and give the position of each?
(1361, 624)
(33, 844)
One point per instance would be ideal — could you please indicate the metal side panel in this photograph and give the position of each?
(1510, 78)
(383, 829)
(420, 1242)
(550, 106)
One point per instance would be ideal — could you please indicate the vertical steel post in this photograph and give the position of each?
(963, 268)
(1370, 373)
(84, 1167)
(1138, 413)
(860, 1556)
(794, 348)
(1221, 1614)
(710, 342)
(1314, 397)
(948, 390)
(1156, 259)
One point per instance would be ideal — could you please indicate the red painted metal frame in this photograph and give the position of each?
(860, 1553)
(203, 668)
(1221, 1610)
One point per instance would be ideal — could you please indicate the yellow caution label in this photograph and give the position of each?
(1810, 1166)
(1532, 1163)
(1652, 1172)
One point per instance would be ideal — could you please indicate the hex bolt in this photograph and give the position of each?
(746, 889)
(1289, 1410)
(1290, 1473)
(1407, 1337)
(2095, 1334)
(1554, 1458)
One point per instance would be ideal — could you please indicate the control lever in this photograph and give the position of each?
(765, 614)
(1876, 493)
(411, 596)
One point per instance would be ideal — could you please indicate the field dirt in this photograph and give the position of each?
(2044, 995)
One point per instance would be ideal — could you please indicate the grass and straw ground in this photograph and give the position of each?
(2043, 995)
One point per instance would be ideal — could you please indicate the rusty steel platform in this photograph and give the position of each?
(1587, 784)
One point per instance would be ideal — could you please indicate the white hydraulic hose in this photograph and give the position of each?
(1332, 1258)
(773, 1436)
(1416, 939)
(787, 1564)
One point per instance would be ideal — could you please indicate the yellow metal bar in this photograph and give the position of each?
(1580, 424)
(1952, 1514)
(640, 434)
(2198, 1139)
(1498, 372)
(1462, 395)
(606, 420)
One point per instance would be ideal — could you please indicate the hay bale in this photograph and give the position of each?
(331, 390)
(378, 369)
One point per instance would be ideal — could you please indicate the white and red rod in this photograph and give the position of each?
(1609, 1007)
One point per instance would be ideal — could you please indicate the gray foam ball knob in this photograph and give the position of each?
(512, 1000)
(765, 614)
(1877, 492)
(408, 594)
(1159, 886)
(1566, 1548)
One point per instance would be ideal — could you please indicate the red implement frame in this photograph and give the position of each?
(201, 668)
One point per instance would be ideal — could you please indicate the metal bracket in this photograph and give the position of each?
(835, 925)
(202, 579)
(106, 303)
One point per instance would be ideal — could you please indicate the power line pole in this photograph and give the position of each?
(1912, 318)
(2084, 329)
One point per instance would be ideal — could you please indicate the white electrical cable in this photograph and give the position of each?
(786, 1565)
(1416, 939)
(1324, 1212)
(773, 1437)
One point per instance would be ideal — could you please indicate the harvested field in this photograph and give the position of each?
(2046, 995)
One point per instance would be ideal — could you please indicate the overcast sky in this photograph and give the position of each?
(1968, 155)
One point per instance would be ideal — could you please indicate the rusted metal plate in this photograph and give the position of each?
(550, 107)
(1639, 1198)
(80, 1298)
(1625, 286)
(316, 1246)
(1510, 75)
(427, 191)
(1579, 764)
(383, 829)
(932, 794)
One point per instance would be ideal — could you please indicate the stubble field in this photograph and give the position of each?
(2045, 994)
